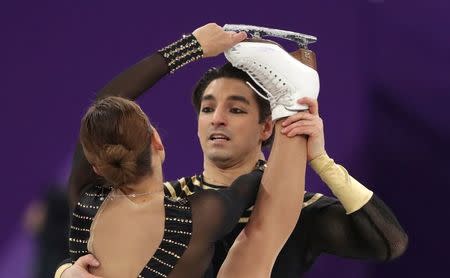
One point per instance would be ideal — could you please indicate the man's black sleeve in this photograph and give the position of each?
(371, 232)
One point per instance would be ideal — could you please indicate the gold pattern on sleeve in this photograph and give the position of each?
(185, 187)
(169, 187)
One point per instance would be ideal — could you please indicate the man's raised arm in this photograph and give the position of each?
(359, 225)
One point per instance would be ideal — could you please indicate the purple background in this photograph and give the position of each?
(384, 100)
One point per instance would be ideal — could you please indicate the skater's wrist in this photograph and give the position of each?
(182, 52)
(351, 193)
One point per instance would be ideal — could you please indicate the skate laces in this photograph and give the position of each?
(278, 94)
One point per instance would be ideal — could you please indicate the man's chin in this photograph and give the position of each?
(220, 159)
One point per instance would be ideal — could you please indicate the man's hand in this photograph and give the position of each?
(307, 123)
(80, 269)
(214, 40)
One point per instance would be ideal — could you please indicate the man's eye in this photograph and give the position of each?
(207, 110)
(237, 111)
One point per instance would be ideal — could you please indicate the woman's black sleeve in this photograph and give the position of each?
(216, 212)
(130, 84)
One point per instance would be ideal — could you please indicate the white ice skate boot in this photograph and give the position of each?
(281, 76)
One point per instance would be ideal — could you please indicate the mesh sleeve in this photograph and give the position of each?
(137, 79)
(216, 212)
(129, 84)
(372, 232)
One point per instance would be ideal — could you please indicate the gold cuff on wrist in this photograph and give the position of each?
(61, 269)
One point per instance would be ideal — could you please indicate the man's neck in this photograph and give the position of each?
(225, 174)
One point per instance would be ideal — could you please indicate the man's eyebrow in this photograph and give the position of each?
(208, 97)
(232, 98)
(239, 98)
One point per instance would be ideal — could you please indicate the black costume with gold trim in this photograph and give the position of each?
(177, 231)
(370, 232)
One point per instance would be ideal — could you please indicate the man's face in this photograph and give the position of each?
(228, 124)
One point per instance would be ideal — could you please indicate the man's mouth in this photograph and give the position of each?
(219, 137)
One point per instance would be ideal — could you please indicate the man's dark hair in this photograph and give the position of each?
(228, 71)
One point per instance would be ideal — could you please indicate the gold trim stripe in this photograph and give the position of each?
(243, 219)
(79, 229)
(174, 242)
(78, 252)
(94, 195)
(313, 199)
(77, 240)
(168, 252)
(82, 217)
(87, 206)
(155, 271)
(171, 189)
(195, 181)
(181, 220)
(177, 232)
(209, 187)
(178, 207)
(184, 187)
(162, 262)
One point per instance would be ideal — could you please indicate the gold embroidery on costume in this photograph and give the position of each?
(172, 191)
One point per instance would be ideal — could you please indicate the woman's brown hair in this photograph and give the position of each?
(115, 134)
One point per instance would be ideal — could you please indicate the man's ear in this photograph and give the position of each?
(267, 129)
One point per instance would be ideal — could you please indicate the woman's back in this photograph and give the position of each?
(121, 228)
(173, 237)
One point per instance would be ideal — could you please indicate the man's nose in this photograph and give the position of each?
(219, 117)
